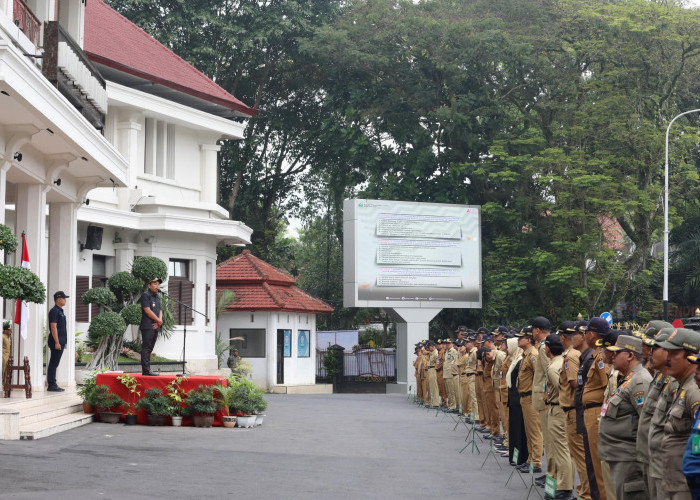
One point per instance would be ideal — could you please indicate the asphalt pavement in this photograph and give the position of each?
(309, 446)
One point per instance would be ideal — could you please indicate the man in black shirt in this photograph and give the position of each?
(58, 339)
(151, 321)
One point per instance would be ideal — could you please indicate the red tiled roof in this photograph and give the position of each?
(259, 286)
(113, 40)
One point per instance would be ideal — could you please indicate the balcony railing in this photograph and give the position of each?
(66, 66)
(27, 22)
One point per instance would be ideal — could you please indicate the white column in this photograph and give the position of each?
(271, 349)
(124, 255)
(127, 144)
(63, 252)
(412, 330)
(31, 218)
(209, 175)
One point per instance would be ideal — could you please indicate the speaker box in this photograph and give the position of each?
(93, 241)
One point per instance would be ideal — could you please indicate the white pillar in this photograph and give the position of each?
(124, 255)
(63, 252)
(31, 218)
(412, 330)
(127, 144)
(209, 175)
(271, 349)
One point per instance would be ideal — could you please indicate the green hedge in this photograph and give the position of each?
(106, 323)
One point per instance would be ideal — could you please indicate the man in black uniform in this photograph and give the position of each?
(58, 339)
(151, 321)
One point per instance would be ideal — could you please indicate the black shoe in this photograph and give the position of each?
(564, 495)
(541, 478)
(539, 483)
(55, 388)
(151, 374)
(498, 440)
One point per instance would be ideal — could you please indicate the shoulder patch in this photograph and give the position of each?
(694, 405)
(639, 398)
(566, 366)
(601, 364)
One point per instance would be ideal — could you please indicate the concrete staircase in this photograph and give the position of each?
(41, 416)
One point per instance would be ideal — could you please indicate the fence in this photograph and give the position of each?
(363, 364)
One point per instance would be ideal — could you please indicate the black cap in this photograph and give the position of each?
(554, 343)
(499, 330)
(156, 278)
(525, 332)
(609, 339)
(581, 326)
(567, 328)
(482, 329)
(59, 295)
(541, 322)
(598, 325)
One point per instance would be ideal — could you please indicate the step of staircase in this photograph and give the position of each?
(54, 425)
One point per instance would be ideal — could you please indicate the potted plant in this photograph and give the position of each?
(131, 384)
(225, 400)
(176, 394)
(157, 406)
(201, 405)
(87, 392)
(243, 402)
(259, 404)
(108, 404)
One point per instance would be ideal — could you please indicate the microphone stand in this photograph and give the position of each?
(184, 327)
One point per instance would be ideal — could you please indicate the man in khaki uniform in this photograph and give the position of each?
(620, 418)
(540, 330)
(608, 340)
(463, 379)
(472, 406)
(439, 371)
(455, 379)
(499, 357)
(448, 373)
(418, 373)
(567, 387)
(489, 358)
(658, 364)
(432, 374)
(503, 387)
(530, 417)
(562, 467)
(593, 396)
(681, 343)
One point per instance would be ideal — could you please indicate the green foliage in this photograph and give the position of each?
(124, 285)
(89, 388)
(106, 324)
(105, 400)
(146, 268)
(8, 241)
(156, 403)
(333, 362)
(20, 283)
(132, 385)
(176, 394)
(6, 324)
(132, 314)
(244, 397)
(100, 296)
(200, 401)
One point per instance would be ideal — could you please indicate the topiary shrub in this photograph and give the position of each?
(146, 268)
(20, 283)
(100, 296)
(132, 314)
(124, 285)
(8, 241)
(106, 324)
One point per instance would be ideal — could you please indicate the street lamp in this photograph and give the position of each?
(666, 214)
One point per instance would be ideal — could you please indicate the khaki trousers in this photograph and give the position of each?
(6, 346)
(503, 413)
(628, 480)
(426, 388)
(458, 392)
(419, 387)
(607, 478)
(575, 441)
(466, 396)
(590, 419)
(441, 387)
(473, 405)
(545, 439)
(494, 421)
(532, 431)
(450, 387)
(558, 450)
(433, 384)
(480, 399)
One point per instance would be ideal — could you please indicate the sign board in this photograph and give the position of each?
(303, 344)
(607, 317)
(407, 254)
(287, 343)
(550, 486)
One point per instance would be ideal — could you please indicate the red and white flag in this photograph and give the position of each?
(22, 310)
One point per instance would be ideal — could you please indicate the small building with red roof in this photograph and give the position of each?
(272, 321)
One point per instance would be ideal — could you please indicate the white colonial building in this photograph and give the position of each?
(108, 150)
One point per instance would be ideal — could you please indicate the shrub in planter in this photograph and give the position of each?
(157, 405)
(106, 324)
(108, 404)
(129, 381)
(201, 404)
(88, 390)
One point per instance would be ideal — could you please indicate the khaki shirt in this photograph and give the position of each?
(656, 428)
(568, 373)
(440, 361)
(451, 362)
(650, 399)
(551, 394)
(416, 365)
(504, 378)
(679, 421)
(613, 374)
(539, 378)
(488, 375)
(461, 365)
(527, 370)
(498, 359)
(471, 360)
(619, 417)
(432, 359)
(594, 390)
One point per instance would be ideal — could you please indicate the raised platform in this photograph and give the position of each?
(302, 389)
(45, 414)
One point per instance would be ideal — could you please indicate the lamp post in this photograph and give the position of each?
(666, 213)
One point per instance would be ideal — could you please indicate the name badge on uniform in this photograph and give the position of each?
(604, 409)
(695, 446)
(580, 379)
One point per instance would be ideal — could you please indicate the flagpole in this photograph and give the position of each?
(19, 308)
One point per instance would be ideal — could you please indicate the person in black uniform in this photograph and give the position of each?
(58, 339)
(151, 321)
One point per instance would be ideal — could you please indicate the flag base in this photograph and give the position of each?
(10, 369)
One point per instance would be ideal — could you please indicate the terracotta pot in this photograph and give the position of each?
(229, 420)
(110, 417)
(88, 408)
(203, 420)
(153, 420)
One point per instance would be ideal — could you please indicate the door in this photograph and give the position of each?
(280, 357)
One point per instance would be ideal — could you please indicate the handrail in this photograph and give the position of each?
(26, 21)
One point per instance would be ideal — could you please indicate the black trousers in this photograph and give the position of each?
(516, 433)
(54, 360)
(148, 341)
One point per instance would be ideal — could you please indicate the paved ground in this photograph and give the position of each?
(310, 447)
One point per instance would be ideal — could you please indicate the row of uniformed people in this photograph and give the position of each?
(611, 404)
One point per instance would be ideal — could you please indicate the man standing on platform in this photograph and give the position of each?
(58, 339)
(151, 321)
